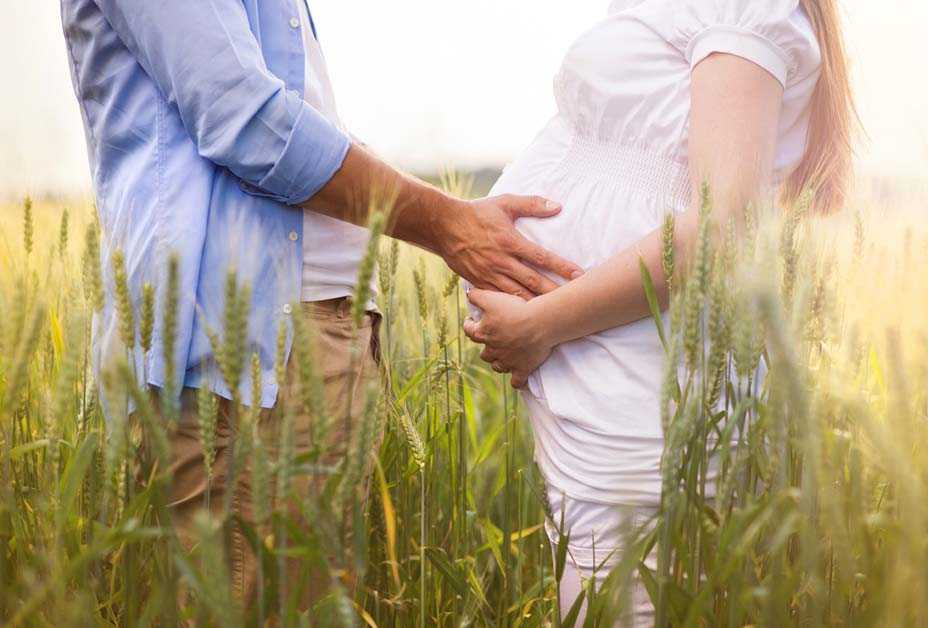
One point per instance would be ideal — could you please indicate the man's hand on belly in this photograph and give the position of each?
(477, 239)
(480, 243)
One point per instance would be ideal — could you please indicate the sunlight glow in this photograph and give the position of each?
(433, 82)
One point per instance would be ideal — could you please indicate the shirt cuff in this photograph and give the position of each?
(741, 43)
(313, 154)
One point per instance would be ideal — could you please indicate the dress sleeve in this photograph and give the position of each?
(775, 34)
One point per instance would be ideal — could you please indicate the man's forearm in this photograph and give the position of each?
(418, 212)
(477, 239)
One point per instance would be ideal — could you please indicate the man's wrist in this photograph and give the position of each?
(424, 215)
(445, 219)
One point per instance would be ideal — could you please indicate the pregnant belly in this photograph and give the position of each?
(608, 383)
(612, 197)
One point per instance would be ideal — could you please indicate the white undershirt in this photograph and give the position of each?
(332, 249)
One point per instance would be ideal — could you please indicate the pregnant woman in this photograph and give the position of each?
(749, 96)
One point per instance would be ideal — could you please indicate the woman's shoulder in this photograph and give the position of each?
(778, 35)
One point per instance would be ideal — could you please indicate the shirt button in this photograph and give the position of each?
(294, 236)
(288, 309)
(294, 22)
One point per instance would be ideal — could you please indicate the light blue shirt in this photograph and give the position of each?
(200, 145)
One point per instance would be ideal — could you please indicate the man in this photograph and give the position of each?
(213, 136)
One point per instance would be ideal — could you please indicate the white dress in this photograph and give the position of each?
(615, 156)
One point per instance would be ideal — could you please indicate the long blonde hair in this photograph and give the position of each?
(825, 169)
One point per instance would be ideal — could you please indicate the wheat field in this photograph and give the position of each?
(819, 515)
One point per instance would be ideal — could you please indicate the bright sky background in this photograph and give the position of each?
(443, 82)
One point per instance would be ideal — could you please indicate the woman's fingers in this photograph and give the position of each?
(498, 362)
(489, 355)
(478, 298)
(519, 380)
(474, 330)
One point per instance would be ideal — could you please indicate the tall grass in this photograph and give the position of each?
(795, 477)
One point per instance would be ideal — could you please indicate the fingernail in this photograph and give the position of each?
(577, 274)
(552, 206)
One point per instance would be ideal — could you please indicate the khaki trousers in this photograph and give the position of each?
(346, 379)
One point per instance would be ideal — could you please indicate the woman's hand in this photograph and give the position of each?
(515, 338)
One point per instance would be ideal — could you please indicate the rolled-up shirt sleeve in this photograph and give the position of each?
(206, 61)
